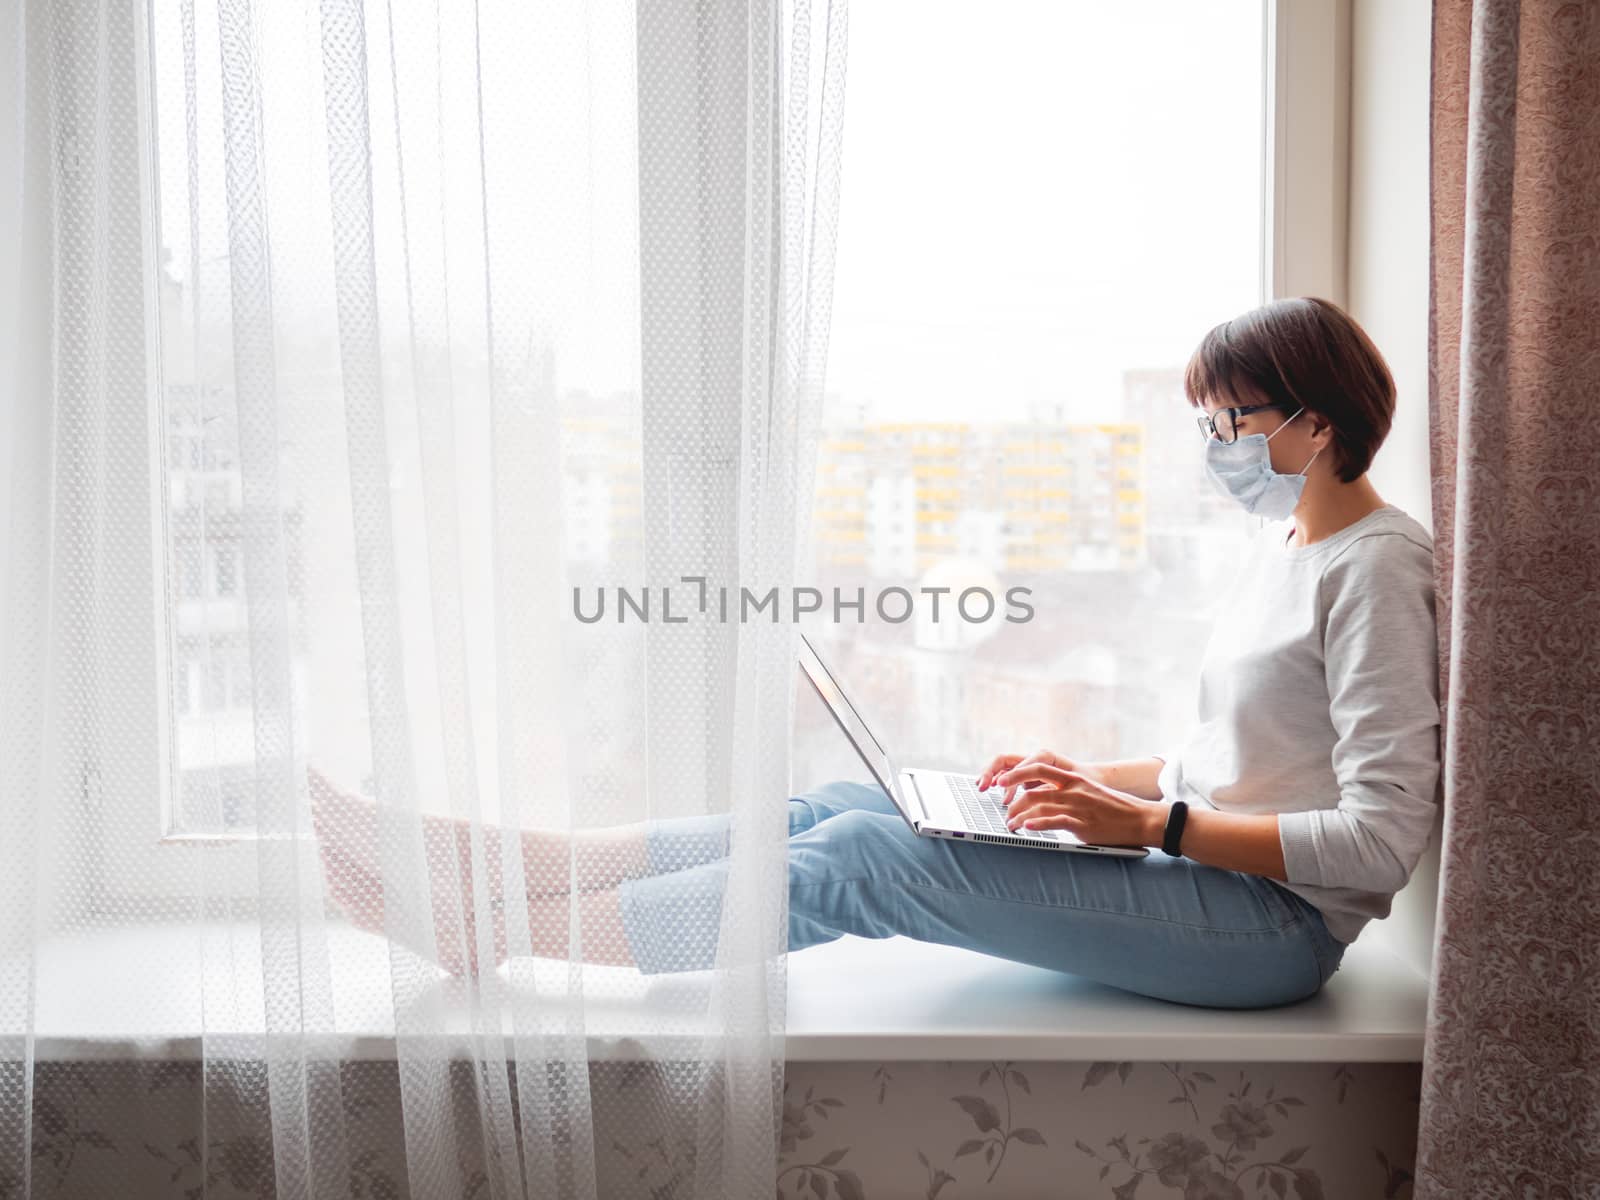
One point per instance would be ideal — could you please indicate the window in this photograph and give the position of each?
(256, 534)
(1025, 262)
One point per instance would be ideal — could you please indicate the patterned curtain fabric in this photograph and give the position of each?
(1511, 1083)
(341, 343)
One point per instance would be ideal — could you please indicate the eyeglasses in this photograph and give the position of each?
(1223, 424)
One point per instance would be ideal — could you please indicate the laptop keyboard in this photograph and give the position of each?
(986, 812)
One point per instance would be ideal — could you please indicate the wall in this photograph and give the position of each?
(850, 1131)
(1388, 235)
(1388, 293)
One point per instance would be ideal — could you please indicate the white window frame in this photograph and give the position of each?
(1305, 137)
(1306, 142)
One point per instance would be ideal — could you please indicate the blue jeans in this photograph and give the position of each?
(1160, 926)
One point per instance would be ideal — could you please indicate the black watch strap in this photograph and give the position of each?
(1172, 838)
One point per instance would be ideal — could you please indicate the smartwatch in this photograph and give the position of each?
(1173, 836)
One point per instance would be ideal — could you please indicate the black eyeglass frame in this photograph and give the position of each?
(1208, 426)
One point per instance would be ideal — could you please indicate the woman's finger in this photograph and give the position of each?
(1065, 821)
(1038, 756)
(1003, 762)
(1039, 804)
(1026, 772)
(1039, 801)
(1020, 790)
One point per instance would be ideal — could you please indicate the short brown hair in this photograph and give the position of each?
(1302, 352)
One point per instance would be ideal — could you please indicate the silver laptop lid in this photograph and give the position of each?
(855, 727)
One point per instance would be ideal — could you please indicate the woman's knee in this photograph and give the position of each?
(849, 874)
(854, 795)
(832, 800)
(853, 841)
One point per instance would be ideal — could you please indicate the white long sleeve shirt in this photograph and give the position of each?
(1319, 701)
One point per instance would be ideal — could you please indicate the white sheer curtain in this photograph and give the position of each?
(349, 350)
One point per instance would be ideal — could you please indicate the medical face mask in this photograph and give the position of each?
(1243, 470)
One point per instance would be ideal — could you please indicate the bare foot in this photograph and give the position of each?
(348, 838)
(349, 843)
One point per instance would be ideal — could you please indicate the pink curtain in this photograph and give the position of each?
(1511, 1072)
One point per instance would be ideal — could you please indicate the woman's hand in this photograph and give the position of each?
(1043, 795)
(1008, 762)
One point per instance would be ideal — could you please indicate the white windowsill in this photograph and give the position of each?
(852, 1000)
(901, 999)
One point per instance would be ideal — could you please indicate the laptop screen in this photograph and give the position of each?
(855, 728)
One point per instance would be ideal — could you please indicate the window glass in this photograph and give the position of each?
(1042, 213)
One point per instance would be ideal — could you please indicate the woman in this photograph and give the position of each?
(1308, 784)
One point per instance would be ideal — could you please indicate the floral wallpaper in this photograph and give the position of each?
(1113, 1129)
(850, 1131)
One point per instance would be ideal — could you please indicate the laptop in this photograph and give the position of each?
(937, 803)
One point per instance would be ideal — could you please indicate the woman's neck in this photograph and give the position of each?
(1327, 506)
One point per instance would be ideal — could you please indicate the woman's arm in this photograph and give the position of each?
(1246, 842)
(1136, 776)
(1042, 795)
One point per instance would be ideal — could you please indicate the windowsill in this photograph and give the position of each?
(851, 1002)
(847, 1001)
